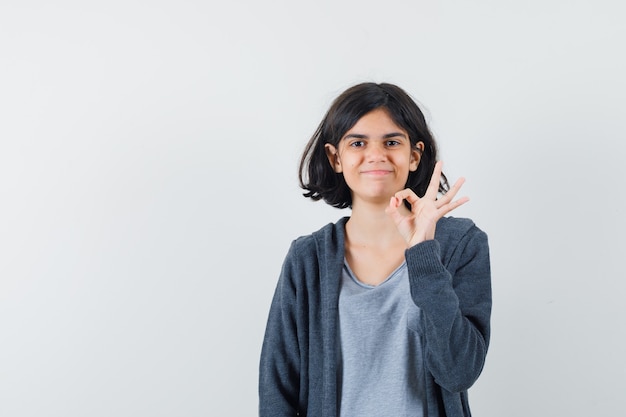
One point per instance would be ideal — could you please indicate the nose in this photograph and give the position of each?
(376, 152)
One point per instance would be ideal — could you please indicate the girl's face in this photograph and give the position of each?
(375, 157)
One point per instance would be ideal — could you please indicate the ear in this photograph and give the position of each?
(333, 158)
(416, 155)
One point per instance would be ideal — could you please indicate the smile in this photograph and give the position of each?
(376, 172)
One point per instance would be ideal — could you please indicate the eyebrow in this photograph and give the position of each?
(386, 136)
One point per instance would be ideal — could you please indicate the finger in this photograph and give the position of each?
(392, 209)
(394, 203)
(408, 195)
(458, 184)
(451, 193)
(447, 208)
(435, 179)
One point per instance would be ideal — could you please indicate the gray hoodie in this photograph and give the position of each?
(450, 282)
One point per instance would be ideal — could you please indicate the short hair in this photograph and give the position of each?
(316, 174)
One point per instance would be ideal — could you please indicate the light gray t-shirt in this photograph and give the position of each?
(381, 370)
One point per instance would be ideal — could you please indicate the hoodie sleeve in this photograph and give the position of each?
(279, 372)
(455, 300)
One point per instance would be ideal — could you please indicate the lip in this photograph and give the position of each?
(376, 172)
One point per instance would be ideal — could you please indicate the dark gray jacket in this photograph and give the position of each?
(450, 282)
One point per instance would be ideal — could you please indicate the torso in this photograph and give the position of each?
(380, 358)
(372, 265)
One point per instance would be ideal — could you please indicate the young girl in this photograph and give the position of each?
(386, 312)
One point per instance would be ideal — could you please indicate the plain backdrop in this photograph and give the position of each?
(148, 189)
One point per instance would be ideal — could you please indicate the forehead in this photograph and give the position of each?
(377, 121)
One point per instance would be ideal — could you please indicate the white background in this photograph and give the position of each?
(148, 186)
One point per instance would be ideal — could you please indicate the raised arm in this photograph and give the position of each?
(455, 300)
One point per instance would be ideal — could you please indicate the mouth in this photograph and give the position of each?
(376, 172)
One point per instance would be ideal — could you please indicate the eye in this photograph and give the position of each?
(357, 143)
(392, 143)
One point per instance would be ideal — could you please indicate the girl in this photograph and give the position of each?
(386, 312)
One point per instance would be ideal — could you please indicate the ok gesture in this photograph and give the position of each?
(419, 224)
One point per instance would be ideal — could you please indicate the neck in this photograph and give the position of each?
(370, 224)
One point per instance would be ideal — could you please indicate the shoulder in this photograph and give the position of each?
(326, 240)
(330, 234)
(453, 233)
(316, 260)
(453, 228)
